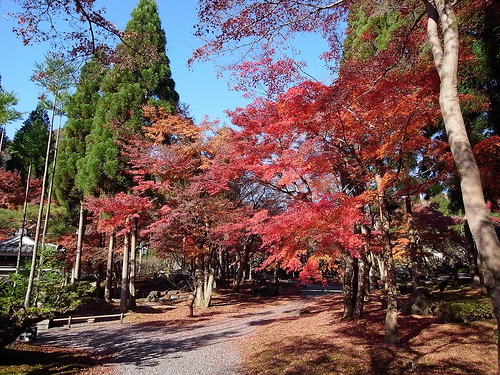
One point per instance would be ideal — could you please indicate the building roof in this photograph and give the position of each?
(11, 245)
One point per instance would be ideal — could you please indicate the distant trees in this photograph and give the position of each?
(7, 112)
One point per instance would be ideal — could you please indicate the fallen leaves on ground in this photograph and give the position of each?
(321, 342)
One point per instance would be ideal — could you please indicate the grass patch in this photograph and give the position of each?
(463, 310)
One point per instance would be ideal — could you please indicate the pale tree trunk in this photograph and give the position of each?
(412, 243)
(109, 270)
(39, 218)
(391, 317)
(209, 287)
(79, 243)
(199, 283)
(372, 274)
(125, 274)
(445, 51)
(51, 185)
(381, 268)
(1, 140)
(23, 224)
(204, 283)
(133, 243)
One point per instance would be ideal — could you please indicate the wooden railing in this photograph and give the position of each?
(89, 319)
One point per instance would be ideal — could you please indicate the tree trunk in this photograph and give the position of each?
(79, 243)
(373, 275)
(412, 243)
(1, 141)
(23, 224)
(199, 284)
(51, 185)
(391, 317)
(133, 243)
(445, 53)
(39, 218)
(209, 287)
(476, 277)
(368, 263)
(125, 274)
(109, 270)
(347, 287)
(382, 269)
(360, 293)
(242, 265)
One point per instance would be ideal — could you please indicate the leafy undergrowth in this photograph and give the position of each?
(321, 342)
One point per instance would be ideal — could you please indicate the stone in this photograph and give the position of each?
(418, 302)
(153, 296)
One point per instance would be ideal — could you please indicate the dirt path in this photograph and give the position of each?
(155, 347)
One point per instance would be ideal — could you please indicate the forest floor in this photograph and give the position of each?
(305, 336)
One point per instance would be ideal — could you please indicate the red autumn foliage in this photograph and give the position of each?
(116, 214)
(488, 159)
(13, 189)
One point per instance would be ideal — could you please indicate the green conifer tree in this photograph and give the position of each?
(141, 75)
(80, 112)
(29, 145)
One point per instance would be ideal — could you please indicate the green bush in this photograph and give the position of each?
(51, 295)
(465, 310)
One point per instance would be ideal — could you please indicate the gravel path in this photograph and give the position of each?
(152, 348)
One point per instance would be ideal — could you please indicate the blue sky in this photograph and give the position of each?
(198, 86)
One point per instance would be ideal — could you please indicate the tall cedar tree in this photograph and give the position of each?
(80, 112)
(141, 75)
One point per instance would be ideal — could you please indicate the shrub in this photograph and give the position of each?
(51, 295)
(465, 310)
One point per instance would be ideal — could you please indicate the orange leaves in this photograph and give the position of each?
(165, 125)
